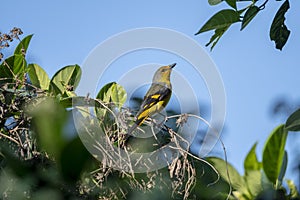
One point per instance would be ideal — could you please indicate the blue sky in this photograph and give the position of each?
(253, 72)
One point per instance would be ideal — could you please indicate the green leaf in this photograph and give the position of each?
(214, 2)
(293, 122)
(231, 3)
(105, 92)
(249, 15)
(241, 11)
(49, 121)
(6, 72)
(38, 77)
(118, 95)
(22, 47)
(216, 37)
(220, 20)
(278, 31)
(111, 93)
(74, 157)
(104, 95)
(251, 162)
(236, 179)
(265, 182)
(13, 68)
(283, 167)
(16, 65)
(273, 153)
(66, 79)
(254, 183)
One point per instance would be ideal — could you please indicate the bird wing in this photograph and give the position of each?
(156, 98)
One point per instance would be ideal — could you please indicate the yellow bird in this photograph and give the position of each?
(157, 96)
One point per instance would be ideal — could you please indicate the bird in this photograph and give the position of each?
(156, 98)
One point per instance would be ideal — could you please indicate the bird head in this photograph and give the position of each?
(162, 75)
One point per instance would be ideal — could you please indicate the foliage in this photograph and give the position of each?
(40, 157)
(262, 180)
(221, 21)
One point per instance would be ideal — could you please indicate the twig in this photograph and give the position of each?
(10, 138)
(202, 160)
(223, 146)
(262, 6)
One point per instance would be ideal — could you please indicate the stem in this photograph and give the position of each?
(10, 138)
(223, 145)
(262, 6)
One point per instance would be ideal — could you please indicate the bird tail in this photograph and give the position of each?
(128, 135)
(132, 128)
(137, 123)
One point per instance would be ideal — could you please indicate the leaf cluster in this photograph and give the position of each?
(222, 20)
(263, 179)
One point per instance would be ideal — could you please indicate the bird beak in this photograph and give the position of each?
(172, 65)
